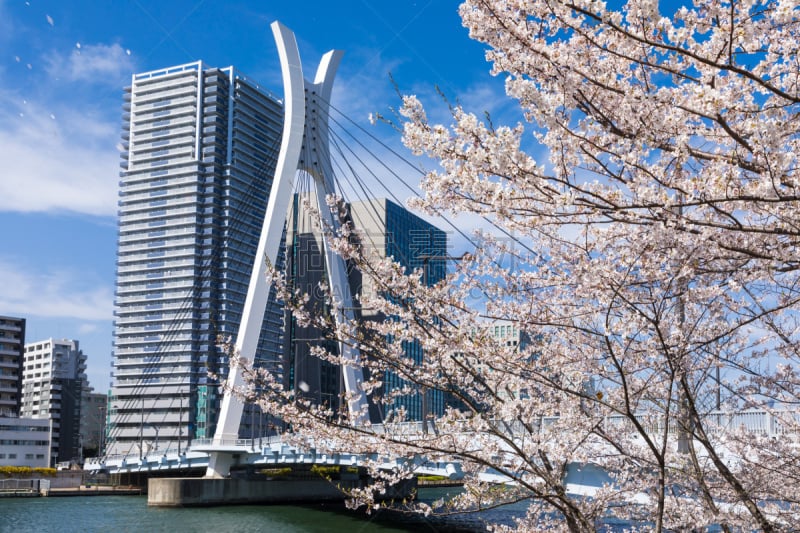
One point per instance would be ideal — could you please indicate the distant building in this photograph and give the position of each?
(54, 376)
(12, 348)
(25, 442)
(505, 334)
(508, 334)
(199, 152)
(94, 410)
(389, 230)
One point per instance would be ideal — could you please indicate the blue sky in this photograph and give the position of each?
(62, 70)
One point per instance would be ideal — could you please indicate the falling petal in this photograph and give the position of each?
(52, 116)
(128, 52)
(17, 59)
(29, 66)
(77, 45)
(50, 20)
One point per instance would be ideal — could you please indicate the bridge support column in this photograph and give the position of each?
(195, 492)
(305, 127)
(219, 465)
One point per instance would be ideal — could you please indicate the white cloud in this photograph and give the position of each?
(56, 160)
(96, 63)
(85, 328)
(52, 294)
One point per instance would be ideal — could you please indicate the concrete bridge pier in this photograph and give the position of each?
(311, 488)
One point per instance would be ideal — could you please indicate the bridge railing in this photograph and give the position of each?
(255, 443)
(771, 423)
(172, 451)
(768, 423)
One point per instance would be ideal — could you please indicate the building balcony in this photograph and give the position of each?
(165, 132)
(153, 123)
(160, 381)
(165, 97)
(149, 232)
(172, 222)
(144, 214)
(173, 274)
(165, 196)
(137, 364)
(168, 263)
(165, 329)
(146, 174)
(179, 84)
(144, 298)
(162, 200)
(173, 153)
(166, 245)
(169, 181)
(161, 109)
(154, 369)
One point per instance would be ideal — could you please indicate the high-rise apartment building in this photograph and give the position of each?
(54, 376)
(12, 344)
(199, 150)
(388, 230)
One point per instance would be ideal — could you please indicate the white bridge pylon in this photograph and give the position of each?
(305, 130)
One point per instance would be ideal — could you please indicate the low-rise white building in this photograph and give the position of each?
(25, 442)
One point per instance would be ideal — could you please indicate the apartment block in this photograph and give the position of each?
(54, 376)
(12, 344)
(199, 150)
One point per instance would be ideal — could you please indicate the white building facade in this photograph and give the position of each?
(25, 442)
(54, 376)
(199, 149)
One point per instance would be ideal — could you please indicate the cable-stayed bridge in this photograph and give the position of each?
(304, 148)
(279, 450)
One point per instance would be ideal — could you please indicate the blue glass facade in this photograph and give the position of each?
(393, 231)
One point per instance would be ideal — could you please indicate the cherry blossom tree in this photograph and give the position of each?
(653, 268)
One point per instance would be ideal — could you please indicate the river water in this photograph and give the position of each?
(119, 514)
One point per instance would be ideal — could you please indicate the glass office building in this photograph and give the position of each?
(199, 146)
(389, 230)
